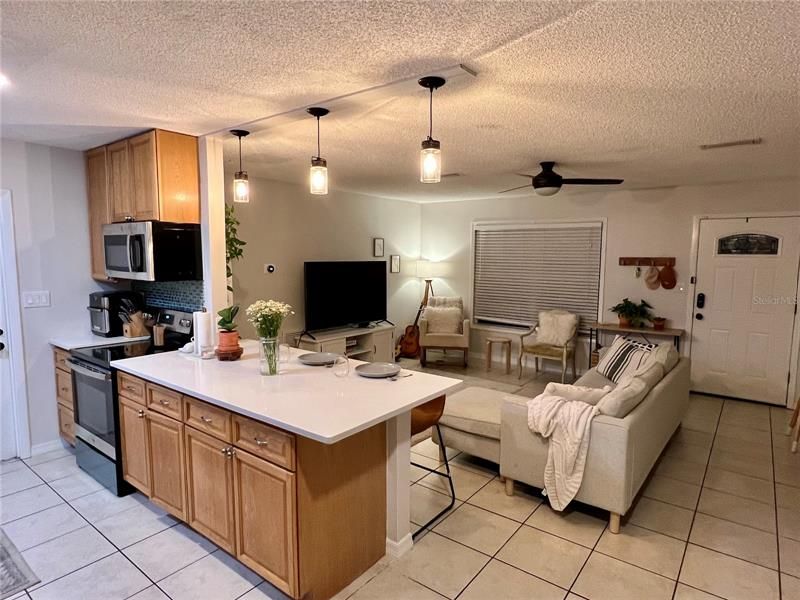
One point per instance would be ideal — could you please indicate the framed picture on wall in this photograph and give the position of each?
(377, 247)
(394, 263)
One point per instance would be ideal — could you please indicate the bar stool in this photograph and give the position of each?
(422, 418)
(794, 426)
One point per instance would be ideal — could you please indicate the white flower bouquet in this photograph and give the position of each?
(267, 317)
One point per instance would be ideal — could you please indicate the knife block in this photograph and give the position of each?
(136, 328)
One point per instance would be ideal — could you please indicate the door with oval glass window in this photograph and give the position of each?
(744, 307)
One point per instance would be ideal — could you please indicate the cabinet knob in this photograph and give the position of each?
(260, 442)
(225, 450)
(140, 414)
(205, 419)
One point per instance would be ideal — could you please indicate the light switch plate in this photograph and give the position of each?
(36, 299)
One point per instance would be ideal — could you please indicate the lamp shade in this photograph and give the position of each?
(429, 270)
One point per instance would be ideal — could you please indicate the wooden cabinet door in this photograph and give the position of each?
(99, 210)
(167, 472)
(66, 424)
(119, 192)
(384, 348)
(209, 487)
(135, 445)
(144, 176)
(178, 177)
(266, 508)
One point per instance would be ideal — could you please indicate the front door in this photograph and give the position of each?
(744, 307)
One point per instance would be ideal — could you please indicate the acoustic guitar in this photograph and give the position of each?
(408, 345)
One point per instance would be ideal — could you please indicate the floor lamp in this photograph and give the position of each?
(428, 270)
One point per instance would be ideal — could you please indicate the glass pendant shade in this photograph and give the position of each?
(430, 162)
(241, 187)
(546, 191)
(318, 176)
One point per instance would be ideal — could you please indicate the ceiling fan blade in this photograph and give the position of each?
(527, 185)
(580, 181)
(525, 175)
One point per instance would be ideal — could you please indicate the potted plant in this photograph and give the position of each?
(267, 317)
(659, 323)
(631, 314)
(228, 347)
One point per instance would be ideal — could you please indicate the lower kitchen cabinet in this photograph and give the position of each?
(135, 445)
(209, 486)
(266, 540)
(167, 473)
(66, 424)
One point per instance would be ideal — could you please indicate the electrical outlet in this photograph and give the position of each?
(37, 299)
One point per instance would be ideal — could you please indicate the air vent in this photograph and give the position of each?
(749, 142)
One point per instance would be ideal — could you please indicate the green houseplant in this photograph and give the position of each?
(631, 314)
(233, 245)
(228, 336)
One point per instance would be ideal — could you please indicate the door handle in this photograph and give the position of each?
(699, 316)
(701, 300)
(2, 346)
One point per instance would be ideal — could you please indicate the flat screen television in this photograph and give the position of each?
(340, 293)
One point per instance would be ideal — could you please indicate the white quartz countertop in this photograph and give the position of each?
(309, 401)
(86, 339)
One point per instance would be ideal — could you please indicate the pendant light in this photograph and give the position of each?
(318, 176)
(430, 163)
(241, 186)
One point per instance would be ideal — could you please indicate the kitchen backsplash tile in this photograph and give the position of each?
(181, 295)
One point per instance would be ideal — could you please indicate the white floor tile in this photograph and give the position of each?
(265, 591)
(644, 548)
(569, 524)
(498, 579)
(150, 593)
(477, 528)
(493, 497)
(43, 526)
(57, 469)
(48, 456)
(726, 576)
(135, 524)
(102, 504)
(18, 480)
(169, 551)
(606, 578)
(111, 578)
(217, 576)
(76, 485)
(27, 502)
(67, 553)
(12, 464)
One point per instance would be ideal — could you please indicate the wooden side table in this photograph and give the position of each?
(505, 344)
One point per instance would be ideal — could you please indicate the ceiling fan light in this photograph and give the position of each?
(430, 163)
(546, 190)
(241, 187)
(318, 176)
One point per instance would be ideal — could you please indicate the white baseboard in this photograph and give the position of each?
(398, 549)
(44, 447)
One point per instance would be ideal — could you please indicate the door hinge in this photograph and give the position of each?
(692, 279)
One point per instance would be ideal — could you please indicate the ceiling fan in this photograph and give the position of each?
(548, 182)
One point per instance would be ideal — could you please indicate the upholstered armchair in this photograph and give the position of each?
(555, 334)
(443, 327)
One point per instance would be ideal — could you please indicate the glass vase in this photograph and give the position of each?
(269, 355)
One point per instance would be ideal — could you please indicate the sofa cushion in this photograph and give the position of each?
(594, 379)
(556, 327)
(444, 340)
(443, 320)
(623, 358)
(589, 395)
(476, 410)
(631, 391)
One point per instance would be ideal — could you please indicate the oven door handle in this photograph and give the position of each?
(88, 372)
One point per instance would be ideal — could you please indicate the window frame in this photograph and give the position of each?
(534, 224)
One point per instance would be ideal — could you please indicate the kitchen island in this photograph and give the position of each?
(302, 476)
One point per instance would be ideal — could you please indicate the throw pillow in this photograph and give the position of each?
(589, 395)
(443, 320)
(631, 391)
(666, 355)
(556, 327)
(623, 358)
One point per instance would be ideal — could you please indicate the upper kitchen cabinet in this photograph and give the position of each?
(154, 177)
(99, 206)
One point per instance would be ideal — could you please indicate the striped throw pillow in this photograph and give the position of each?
(623, 358)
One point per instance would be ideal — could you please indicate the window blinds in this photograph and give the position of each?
(525, 268)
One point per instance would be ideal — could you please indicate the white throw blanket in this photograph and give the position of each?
(568, 425)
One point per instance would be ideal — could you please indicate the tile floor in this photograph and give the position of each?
(720, 517)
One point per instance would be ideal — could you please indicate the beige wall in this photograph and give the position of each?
(48, 187)
(284, 225)
(640, 223)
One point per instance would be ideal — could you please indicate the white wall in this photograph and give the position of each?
(285, 225)
(48, 187)
(640, 223)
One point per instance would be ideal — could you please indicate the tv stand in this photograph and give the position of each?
(370, 344)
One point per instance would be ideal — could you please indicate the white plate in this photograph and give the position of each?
(318, 359)
(378, 370)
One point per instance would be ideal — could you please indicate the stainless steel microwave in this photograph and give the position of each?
(153, 251)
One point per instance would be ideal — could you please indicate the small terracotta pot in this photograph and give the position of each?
(659, 324)
(624, 322)
(228, 340)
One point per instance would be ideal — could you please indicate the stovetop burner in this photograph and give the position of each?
(103, 355)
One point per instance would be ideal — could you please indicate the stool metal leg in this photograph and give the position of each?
(447, 475)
